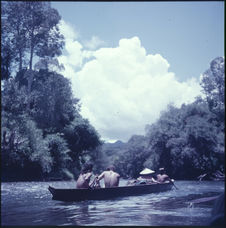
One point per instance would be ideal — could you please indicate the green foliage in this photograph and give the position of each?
(213, 86)
(52, 104)
(38, 106)
(23, 147)
(82, 138)
(43, 133)
(14, 98)
(14, 34)
(32, 29)
(58, 149)
(56, 139)
(37, 148)
(108, 154)
(7, 55)
(66, 174)
(131, 160)
(187, 141)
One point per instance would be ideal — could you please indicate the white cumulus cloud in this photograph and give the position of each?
(123, 88)
(94, 43)
(68, 30)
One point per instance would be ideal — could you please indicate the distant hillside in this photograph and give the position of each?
(110, 148)
(111, 151)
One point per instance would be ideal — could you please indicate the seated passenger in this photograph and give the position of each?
(146, 177)
(162, 176)
(111, 178)
(132, 182)
(84, 177)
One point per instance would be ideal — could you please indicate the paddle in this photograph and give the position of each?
(93, 184)
(172, 181)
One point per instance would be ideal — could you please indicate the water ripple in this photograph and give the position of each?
(30, 203)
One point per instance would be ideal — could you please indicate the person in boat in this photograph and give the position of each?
(146, 177)
(85, 176)
(162, 176)
(111, 178)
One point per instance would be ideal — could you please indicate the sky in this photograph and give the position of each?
(128, 60)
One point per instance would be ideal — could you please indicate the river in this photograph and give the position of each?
(30, 203)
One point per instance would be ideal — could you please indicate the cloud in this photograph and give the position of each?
(68, 30)
(123, 88)
(94, 43)
(74, 55)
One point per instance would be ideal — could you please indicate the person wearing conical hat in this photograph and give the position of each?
(146, 176)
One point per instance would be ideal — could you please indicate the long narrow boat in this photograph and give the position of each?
(107, 193)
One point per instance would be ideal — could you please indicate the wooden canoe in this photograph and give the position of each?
(107, 193)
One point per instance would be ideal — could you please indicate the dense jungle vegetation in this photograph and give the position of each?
(43, 134)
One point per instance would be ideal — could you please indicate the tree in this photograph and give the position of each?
(213, 86)
(112, 154)
(82, 139)
(58, 149)
(25, 153)
(41, 23)
(131, 159)
(22, 144)
(42, 130)
(52, 104)
(13, 30)
(185, 139)
(7, 56)
(32, 28)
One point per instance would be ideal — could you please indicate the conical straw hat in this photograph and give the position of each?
(146, 171)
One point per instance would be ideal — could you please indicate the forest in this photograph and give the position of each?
(44, 136)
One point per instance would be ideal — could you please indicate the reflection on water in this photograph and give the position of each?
(30, 203)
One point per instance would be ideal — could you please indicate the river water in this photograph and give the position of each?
(30, 203)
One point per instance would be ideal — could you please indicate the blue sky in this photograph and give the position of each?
(188, 34)
(128, 60)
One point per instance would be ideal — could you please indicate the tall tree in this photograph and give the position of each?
(52, 103)
(42, 130)
(82, 139)
(213, 86)
(8, 51)
(132, 158)
(58, 149)
(13, 29)
(41, 23)
(33, 29)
